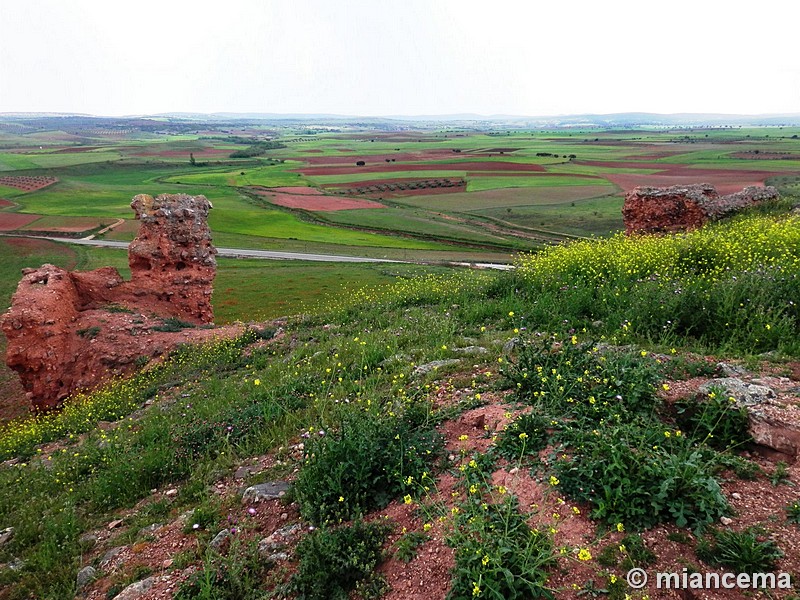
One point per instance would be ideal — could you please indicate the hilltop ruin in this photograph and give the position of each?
(70, 331)
(685, 207)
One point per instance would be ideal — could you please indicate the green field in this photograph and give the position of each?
(101, 169)
(267, 176)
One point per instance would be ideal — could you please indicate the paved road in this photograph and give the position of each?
(275, 255)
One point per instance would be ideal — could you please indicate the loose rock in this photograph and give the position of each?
(265, 491)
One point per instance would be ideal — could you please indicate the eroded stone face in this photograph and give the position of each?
(685, 207)
(72, 330)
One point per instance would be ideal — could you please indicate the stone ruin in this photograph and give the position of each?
(684, 207)
(70, 331)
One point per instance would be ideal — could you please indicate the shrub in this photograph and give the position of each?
(742, 551)
(333, 562)
(639, 477)
(526, 435)
(237, 575)
(497, 554)
(716, 420)
(363, 464)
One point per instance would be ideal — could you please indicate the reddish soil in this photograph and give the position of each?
(384, 167)
(391, 193)
(27, 184)
(427, 576)
(13, 221)
(317, 202)
(4, 203)
(727, 181)
(537, 175)
(306, 191)
(314, 151)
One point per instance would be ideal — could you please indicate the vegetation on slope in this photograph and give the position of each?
(346, 380)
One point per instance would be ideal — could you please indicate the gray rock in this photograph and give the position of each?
(85, 576)
(730, 370)
(221, 539)
(509, 346)
(150, 529)
(6, 535)
(88, 540)
(265, 491)
(15, 564)
(245, 472)
(136, 590)
(109, 556)
(278, 539)
(278, 556)
(745, 394)
(434, 365)
(471, 350)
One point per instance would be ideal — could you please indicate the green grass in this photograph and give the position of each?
(44, 160)
(416, 222)
(268, 176)
(365, 178)
(294, 286)
(479, 183)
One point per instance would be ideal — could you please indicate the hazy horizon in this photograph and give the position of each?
(379, 59)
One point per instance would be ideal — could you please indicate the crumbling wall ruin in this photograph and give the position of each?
(684, 207)
(69, 331)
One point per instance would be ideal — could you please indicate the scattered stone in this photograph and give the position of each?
(745, 394)
(736, 496)
(509, 346)
(167, 563)
(278, 556)
(725, 520)
(150, 529)
(170, 493)
(88, 540)
(730, 370)
(776, 428)
(15, 564)
(110, 555)
(184, 518)
(471, 350)
(6, 535)
(278, 540)
(221, 540)
(434, 365)
(85, 576)
(115, 523)
(245, 472)
(265, 491)
(136, 590)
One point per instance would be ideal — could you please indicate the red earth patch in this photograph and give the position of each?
(4, 203)
(726, 181)
(306, 191)
(317, 202)
(13, 221)
(27, 184)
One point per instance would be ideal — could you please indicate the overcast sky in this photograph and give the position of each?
(400, 57)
